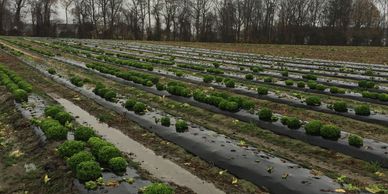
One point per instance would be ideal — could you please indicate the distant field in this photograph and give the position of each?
(342, 53)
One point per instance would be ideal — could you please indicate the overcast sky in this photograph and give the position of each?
(61, 14)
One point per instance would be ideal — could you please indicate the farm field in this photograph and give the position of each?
(122, 116)
(360, 54)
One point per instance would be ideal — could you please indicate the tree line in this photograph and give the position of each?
(327, 22)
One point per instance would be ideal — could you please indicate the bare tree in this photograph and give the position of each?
(66, 4)
(41, 12)
(170, 7)
(3, 4)
(103, 6)
(269, 9)
(156, 11)
(184, 20)
(269, 21)
(200, 10)
(114, 8)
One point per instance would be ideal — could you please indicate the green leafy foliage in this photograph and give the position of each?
(96, 143)
(88, 170)
(330, 132)
(293, 123)
(139, 108)
(118, 165)
(106, 153)
(181, 126)
(340, 106)
(53, 130)
(208, 78)
(309, 77)
(265, 114)
(165, 121)
(262, 90)
(63, 117)
(362, 110)
(77, 81)
(336, 90)
(70, 147)
(366, 84)
(83, 133)
(228, 105)
(230, 83)
(313, 127)
(355, 140)
(52, 110)
(249, 76)
(313, 101)
(268, 79)
(52, 71)
(79, 157)
(178, 89)
(289, 82)
(130, 103)
(20, 95)
(301, 84)
(158, 188)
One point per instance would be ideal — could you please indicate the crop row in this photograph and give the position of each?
(15, 84)
(87, 153)
(30, 47)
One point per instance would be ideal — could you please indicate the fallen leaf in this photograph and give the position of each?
(375, 188)
(16, 154)
(379, 174)
(112, 183)
(234, 180)
(242, 143)
(222, 172)
(46, 179)
(340, 191)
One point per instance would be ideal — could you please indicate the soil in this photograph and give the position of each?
(361, 54)
(21, 148)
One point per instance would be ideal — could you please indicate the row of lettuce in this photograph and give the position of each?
(314, 85)
(137, 107)
(339, 106)
(87, 155)
(15, 84)
(30, 47)
(232, 103)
